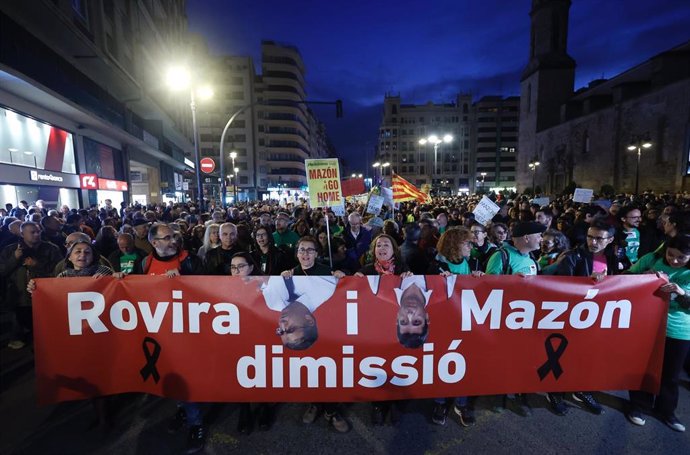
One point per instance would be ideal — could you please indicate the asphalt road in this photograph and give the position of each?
(140, 423)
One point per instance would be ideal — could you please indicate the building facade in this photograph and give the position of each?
(446, 167)
(80, 96)
(584, 136)
(494, 142)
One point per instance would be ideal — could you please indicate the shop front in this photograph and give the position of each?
(37, 161)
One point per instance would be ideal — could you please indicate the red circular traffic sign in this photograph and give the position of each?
(207, 165)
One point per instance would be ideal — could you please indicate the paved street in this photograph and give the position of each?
(139, 427)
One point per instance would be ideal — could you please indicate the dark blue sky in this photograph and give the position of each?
(428, 51)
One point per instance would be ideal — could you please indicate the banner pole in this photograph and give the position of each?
(328, 237)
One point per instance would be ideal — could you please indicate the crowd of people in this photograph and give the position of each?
(620, 234)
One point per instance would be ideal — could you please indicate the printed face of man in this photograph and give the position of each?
(412, 317)
(293, 320)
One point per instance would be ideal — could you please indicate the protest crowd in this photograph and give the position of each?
(649, 233)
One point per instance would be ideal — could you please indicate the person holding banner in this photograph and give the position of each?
(515, 258)
(242, 264)
(170, 259)
(387, 260)
(82, 261)
(454, 258)
(296, 299)
(671, 264)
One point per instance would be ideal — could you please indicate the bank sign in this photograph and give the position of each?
(18, 175)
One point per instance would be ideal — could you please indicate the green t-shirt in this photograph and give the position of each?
(288, 238)
(127, 263)
(678, 325)
(519, 263)
(633, 240)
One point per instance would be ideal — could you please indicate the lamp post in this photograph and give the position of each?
(376, 166)
(436, 141)
(383, 169)
(234, 188)
(233, 155)
(638, 144)
(483, 174)
(533, 167)
(179, 78)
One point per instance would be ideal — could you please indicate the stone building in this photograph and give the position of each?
(584, 136)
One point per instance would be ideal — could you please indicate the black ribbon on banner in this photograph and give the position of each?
(151, 355)
(552, 356)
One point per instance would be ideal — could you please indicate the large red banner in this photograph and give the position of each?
(206, 338)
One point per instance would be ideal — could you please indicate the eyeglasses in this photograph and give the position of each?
(478, 231)
(306, 250)
(261, 235)
(167, 238)
(238, 267)
(634, 217)
(597, 239)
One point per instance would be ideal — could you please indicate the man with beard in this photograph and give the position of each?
(596, 258)
(630, 218)
(170, 260)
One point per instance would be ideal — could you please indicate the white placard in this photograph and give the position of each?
(485, 210)
(338, 210)
(375, 204)
(583, 195)
(387, 194)
(541, 201)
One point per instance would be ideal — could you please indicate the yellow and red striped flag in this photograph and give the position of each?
(405, 191)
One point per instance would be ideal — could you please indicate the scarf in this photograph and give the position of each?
(384, 267)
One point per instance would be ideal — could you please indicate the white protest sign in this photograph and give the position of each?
(338, 210)
(375, 204)
(485, 210)
(387, 194)
(583, 195)
(541, 201)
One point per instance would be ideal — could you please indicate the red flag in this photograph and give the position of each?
(405, 191)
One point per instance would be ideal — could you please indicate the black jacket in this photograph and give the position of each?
(580, 261)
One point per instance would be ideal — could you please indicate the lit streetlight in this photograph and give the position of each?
(376, 167)
(233, 155)
(638, 144)
(179, 78)
(533, 167)
(483, 174)
(436, 141)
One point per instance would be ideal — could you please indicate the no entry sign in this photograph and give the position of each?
(207, 165)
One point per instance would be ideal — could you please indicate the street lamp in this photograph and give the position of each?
(436, 141)
(483, 174)
(383, 168)
(234, 188)
(233, 155)
(533, 167)
(376, 166)
(638, 144)
(179, 78)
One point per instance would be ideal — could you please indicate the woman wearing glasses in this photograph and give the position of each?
(297, 324)
(242, 264)
(269, 259)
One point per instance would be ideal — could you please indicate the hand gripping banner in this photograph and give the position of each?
(235, 339)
